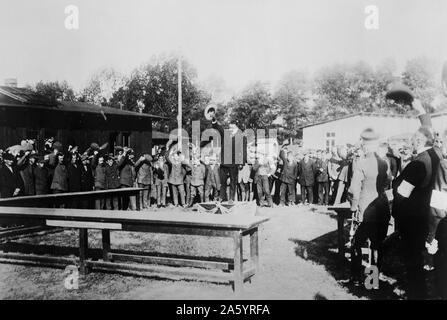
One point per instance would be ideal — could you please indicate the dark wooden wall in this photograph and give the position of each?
(140, 141)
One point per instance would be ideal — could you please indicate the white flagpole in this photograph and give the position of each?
(179, 117)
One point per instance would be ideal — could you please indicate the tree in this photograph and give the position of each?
(290, 97)
(419, 75)
(56, 90)
(346, 89)
(253, 109)
(101, 86)
(154, 86)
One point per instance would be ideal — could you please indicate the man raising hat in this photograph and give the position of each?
(11, 183)
(369, 202)
(412, 192)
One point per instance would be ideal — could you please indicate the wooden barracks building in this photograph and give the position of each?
(27, 115)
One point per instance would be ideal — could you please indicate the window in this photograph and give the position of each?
(126, 139)
(330, 140)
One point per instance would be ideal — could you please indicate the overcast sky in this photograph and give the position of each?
(237, 40)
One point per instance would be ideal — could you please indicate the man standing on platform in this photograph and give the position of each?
(229, 163)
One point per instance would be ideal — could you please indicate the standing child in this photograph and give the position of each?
(212, 181)
(197, 180)
(244, 182)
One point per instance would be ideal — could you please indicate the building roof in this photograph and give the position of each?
(364, 114)
(24, 96)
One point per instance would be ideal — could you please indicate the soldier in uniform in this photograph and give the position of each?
(369, 202)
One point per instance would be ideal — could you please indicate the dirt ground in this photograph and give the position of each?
(298, 260)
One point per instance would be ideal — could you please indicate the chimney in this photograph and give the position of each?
(11, 82)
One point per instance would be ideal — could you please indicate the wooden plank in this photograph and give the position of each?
(38, 259)
(170, 218)
(75, 195)
(238, 262)
(160, 271)
(168, 261)
(254, 248)
(83, 248)
(189, 230)
(341, 236)
(19, 231)
(105, 244)
(84, 224)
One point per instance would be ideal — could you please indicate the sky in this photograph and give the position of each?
(237, 40)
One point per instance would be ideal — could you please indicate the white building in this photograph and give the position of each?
(347, 129)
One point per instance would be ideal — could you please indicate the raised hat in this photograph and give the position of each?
(400, 93)
(369, 135)
(207, 110)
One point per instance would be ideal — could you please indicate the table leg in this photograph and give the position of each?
(341, 236)
(105, 244)
(238, 262)
(83, 247)
(254, 248)
(138, 200)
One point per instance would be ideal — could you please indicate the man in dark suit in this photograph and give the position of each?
(87, 181)
(74, 178)
(232, 156)
(411, 207)
(11, 183)
(288, 176)
(436, 242)
(322, 178)
(306, 173)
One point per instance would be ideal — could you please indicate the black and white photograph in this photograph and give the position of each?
(223, 150)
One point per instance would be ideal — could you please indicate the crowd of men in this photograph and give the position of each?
(420, 225)
(365, 174)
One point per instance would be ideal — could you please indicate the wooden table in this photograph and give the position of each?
(64, 198)
(188, 223)
(343, 212)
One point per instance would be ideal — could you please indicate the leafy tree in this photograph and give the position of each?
(291, 97)
(419, 75)
(253, 108)
(56, 91)
(154, 86)
(101, 86)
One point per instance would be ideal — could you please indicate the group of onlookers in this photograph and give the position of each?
(384, 186)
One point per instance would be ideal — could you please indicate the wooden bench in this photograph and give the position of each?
(185, 223)
(48, 200)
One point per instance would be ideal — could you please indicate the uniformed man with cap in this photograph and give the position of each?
(369, 202)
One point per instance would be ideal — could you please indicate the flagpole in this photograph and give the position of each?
(179, 117)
